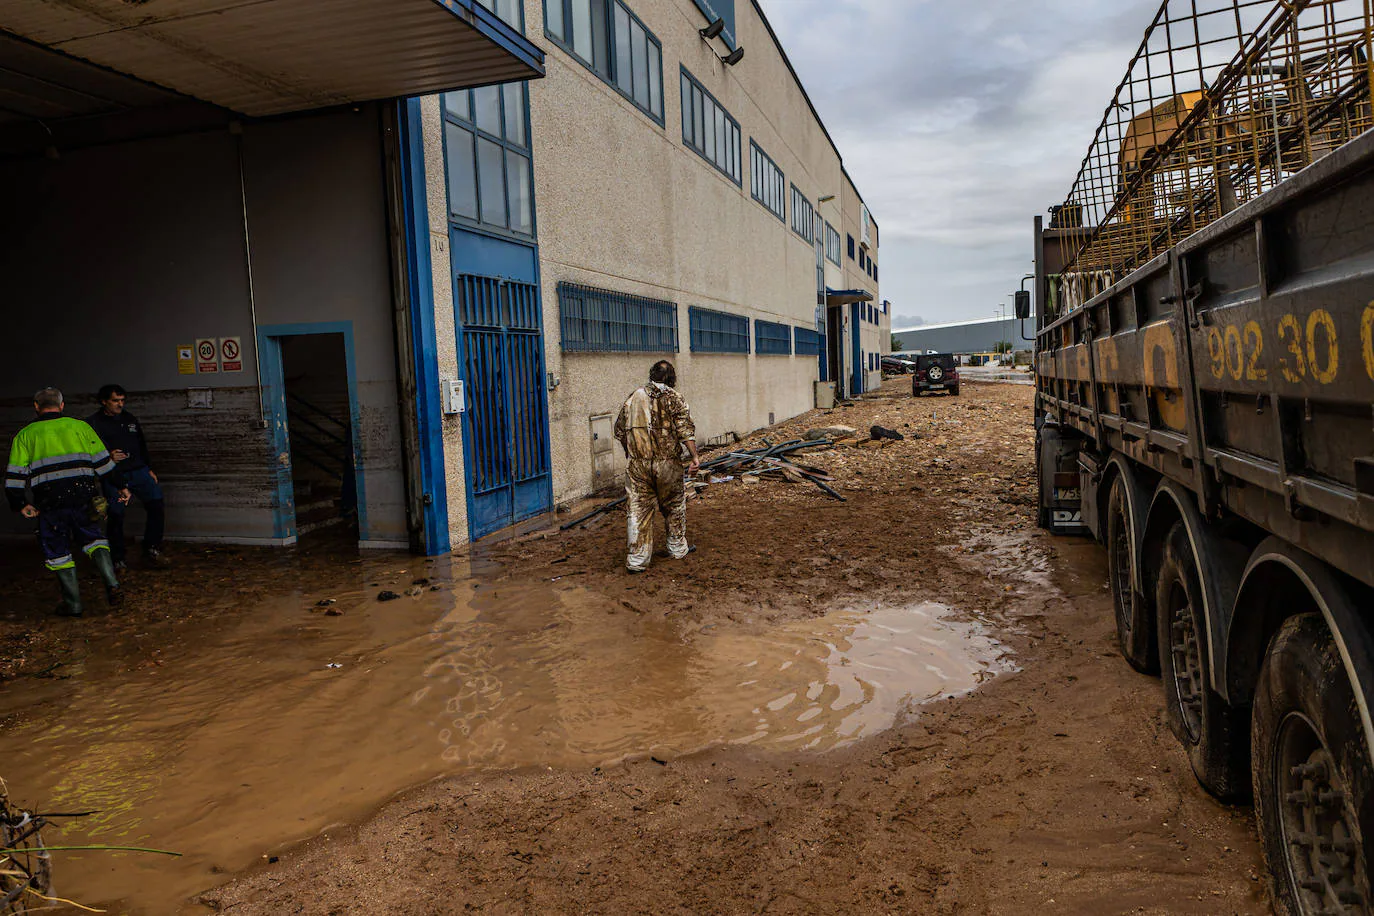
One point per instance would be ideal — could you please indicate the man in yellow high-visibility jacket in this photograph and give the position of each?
(55, 466)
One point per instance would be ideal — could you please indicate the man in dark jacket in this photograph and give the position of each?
(123, 436)
(55, 470)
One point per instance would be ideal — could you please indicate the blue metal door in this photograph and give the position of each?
(505, 427)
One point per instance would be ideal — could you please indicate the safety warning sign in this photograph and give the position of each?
(186, 359)
(207, 354)
(231, 354)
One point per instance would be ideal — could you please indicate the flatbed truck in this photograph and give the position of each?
(1210, 419)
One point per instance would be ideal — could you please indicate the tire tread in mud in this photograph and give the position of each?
(1303, 691)
(1212, 732)
(1135, 629)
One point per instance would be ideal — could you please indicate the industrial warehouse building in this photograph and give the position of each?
(679, 207)
(419, 316)
(979, 335)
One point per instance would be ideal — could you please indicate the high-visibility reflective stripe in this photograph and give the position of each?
(65, 562)
(17, 469)
(97, 544)
(50, 476)
(12, 484)
(71, 458)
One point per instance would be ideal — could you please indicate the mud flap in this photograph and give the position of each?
(1061, 496)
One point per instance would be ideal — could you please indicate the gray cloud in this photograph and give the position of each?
(959, 122)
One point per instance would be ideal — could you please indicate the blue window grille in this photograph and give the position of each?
(602, 321)
(772, 338)
(806, 342)
(718, 332)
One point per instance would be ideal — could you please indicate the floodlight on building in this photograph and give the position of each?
(711, 31)
(733, 57)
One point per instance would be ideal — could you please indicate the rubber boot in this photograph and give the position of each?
(105, 565)
(71, 592)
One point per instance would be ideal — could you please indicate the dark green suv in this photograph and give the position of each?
(935, 372)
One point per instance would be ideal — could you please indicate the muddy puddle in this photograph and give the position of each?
(271, 729)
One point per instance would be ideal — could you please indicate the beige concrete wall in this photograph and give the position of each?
(623, 204)
(432, 130)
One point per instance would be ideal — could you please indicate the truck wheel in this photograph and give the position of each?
(1213, 734)
(1313, 779)
(1134, 625)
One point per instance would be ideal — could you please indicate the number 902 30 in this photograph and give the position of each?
(1309, 348)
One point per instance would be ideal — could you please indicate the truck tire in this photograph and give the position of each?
(1135, 629)
(1313, 778)
(1213, 733)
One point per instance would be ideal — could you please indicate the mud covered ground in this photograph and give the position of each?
(1054, 788)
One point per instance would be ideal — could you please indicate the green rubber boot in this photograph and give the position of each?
(71, 592)
(105, 565)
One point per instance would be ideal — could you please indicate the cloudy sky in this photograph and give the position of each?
(959, 122)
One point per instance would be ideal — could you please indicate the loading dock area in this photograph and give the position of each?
(201, 208)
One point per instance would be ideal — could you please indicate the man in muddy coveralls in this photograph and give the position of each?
(54, 468)
(653, 426)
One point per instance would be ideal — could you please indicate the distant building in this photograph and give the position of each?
(979, 335)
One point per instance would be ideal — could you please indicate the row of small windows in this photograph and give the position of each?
(611, 42)
(486, 153)
(708, 128)
(596, 320)
(866, 263)
(769, 185)
(803, 215)
(606, 37)
(871, 313)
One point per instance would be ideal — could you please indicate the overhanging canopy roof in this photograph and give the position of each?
(846, 296)
(253, 57)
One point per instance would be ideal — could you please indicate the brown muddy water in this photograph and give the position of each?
(251, 738)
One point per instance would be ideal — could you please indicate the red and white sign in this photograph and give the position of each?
(231, 354)
(207, 354)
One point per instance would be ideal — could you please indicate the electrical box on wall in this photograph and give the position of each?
(452, 390)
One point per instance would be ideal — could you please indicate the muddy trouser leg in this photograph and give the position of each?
(642, 500)
(672, 502)
(96, 547)
(54, 536)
